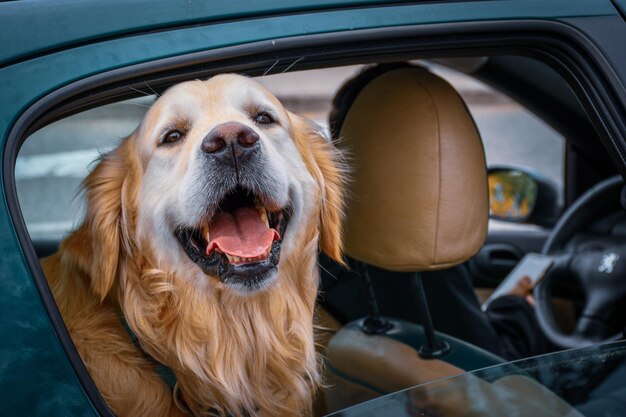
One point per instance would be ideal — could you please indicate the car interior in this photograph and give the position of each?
(418, 234)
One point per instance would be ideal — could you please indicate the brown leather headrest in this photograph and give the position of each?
(419, 199)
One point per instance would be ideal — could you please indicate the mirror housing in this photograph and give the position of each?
(521, 195)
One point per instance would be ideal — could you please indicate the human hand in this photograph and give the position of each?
(523, 288)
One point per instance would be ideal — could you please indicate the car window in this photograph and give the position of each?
(576, 383)
(54, 160)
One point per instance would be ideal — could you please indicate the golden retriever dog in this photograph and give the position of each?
(199, 251)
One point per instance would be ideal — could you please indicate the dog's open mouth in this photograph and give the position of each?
(240, 243)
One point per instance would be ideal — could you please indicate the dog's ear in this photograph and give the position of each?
(99, 245)
(327, 165)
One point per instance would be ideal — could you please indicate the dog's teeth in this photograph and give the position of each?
(263, 215)
(241, 259)
(205, 232)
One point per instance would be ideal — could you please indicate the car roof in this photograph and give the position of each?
(32, 28)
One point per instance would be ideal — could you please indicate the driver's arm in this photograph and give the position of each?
(513, 318)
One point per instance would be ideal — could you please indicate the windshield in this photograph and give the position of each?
(581, 382)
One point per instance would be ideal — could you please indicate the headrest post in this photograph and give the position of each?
(433, 348)
(374, 323)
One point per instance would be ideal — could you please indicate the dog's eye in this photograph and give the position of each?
(171, 136)
(263, 118)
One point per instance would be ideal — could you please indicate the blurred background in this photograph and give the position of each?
(53, 161)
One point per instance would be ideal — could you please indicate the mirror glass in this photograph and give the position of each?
(512, 195)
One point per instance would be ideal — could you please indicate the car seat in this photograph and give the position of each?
(418, 202)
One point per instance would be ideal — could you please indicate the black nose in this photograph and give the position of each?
(231, 140)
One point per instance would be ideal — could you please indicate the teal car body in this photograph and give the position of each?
(57, 57)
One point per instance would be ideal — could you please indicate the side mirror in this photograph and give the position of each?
(520, 195)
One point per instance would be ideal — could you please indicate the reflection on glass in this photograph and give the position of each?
(585, 382)
(512, 195)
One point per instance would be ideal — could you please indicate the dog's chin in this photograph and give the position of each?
(248, 265)
(249, 279)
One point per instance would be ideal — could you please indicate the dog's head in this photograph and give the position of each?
(208, 220)
(219, 183)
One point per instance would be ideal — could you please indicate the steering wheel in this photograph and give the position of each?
(598, 267)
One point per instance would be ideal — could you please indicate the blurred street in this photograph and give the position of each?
(54, 160)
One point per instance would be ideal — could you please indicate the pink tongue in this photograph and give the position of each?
(240, 233)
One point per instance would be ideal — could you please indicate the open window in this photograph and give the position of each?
(53, 161)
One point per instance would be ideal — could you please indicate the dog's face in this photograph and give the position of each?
(225, 188)
(216, 186)
(220, 194)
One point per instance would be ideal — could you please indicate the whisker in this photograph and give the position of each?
(151, 89)
(270, 68)
(335, 206)
(292, 64)
(327, 271)
(140, 91)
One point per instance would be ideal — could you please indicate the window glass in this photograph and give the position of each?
(577, 383)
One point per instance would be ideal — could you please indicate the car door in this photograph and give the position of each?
(59, 58)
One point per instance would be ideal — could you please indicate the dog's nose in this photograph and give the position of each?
(230, 139)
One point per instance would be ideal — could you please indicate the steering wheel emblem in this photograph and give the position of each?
(608, 262)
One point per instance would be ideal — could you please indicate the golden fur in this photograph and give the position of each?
(231, 353)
